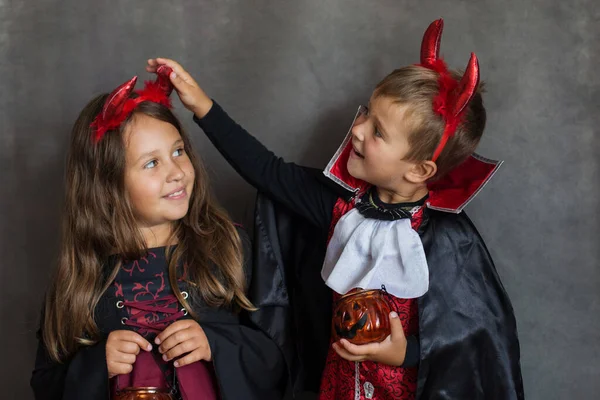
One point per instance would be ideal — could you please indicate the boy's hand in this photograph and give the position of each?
(191, 95)
(391, 351)
(184, 337)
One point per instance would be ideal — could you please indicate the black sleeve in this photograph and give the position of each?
(83, 376)
(249, 365)
(298, 188)
(413, 352)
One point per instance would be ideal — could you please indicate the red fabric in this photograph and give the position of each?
(390, 383)
(453, 96)
(119, 103)
(151, 306)
(196, 381)
(451, 193)
(340, 168)
(454, 191)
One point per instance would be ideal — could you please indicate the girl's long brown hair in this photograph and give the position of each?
(98, 221)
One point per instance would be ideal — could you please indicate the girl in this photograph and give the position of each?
(150, 285)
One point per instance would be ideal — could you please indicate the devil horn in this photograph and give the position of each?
(467, 86)
(162, 79)
(430, 46)
(116, 100)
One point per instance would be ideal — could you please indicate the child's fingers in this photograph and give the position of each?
(177, 68)
(182, 348)
(138, 339)
(358, 350)
(152, 65)
(397, 332)
(345, 354)
(179, 77)
(170, 330)
(178, 82)
(127, 347)
(194, 356)
(116, 368)
(180, 73)
(120, 357)
(129, 340)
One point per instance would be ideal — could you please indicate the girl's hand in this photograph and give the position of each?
(184, 337)
(391, 351)
(191, 95)
(122, 347)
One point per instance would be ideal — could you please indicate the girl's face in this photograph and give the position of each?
(159, 176)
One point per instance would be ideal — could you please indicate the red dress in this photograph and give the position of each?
(147, 305)
(348, 380)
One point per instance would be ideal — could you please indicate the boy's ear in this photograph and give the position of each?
(421, 172)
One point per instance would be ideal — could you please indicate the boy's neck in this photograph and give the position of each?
(405, 195)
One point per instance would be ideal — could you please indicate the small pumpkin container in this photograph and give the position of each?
(362, 316)
(143, 393)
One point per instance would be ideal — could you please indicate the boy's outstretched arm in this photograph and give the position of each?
(298, 188)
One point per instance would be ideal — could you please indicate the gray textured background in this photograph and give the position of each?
(293, 73)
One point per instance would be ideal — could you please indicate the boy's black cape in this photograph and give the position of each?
(467, 328)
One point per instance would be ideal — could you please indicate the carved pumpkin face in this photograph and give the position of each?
(361, 317)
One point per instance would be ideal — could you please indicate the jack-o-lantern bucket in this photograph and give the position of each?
(145, 393)
(362, 316)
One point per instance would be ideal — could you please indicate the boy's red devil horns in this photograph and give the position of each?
(430, 46)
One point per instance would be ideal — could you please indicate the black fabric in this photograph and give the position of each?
(371, 206)
(294, 304)
(413, 352)
(467, 330)
(247, 363)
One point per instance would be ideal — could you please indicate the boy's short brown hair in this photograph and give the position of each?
(416, 87)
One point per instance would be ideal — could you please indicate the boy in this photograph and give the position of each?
(405, 172)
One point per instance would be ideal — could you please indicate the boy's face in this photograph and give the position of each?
(380, 140)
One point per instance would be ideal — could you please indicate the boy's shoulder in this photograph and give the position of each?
(449, 233)
(452, 225)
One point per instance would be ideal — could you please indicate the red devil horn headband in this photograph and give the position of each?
(430, 47)
(453, 96)
(119, 103)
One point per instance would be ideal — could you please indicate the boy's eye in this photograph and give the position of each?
(151, 164)
(377, 133)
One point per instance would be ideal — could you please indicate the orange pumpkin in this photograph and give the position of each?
(361, 317)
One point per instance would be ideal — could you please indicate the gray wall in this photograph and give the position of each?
(293, 73)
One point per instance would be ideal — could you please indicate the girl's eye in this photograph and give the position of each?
(377, 133)
(151, 164)
(178, 152)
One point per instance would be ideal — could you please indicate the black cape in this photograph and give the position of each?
(247, 363)
(467, 329)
